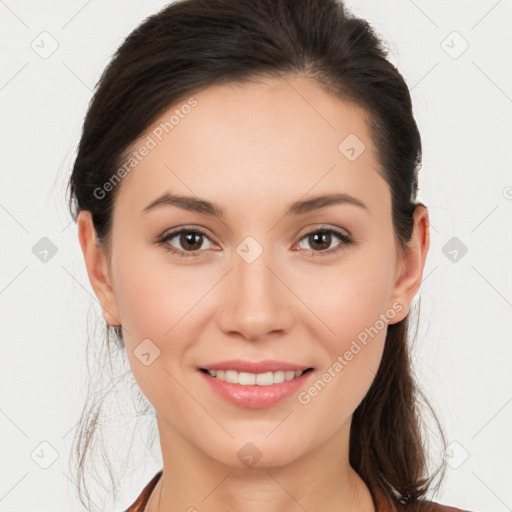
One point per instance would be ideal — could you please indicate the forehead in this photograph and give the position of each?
(254, 139)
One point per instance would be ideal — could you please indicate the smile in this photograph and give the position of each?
(258, 379)
(263, 392)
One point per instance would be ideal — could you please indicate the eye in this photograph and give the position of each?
(191, 240)
(322, 239)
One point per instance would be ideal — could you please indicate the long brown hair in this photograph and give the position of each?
(192, 44)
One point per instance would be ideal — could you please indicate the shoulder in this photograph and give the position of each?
(140, 503)
(429, 506)
(385, 503)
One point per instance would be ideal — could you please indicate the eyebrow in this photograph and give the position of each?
(204, 207)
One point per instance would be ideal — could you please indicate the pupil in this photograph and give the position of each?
(188, 237)
(322, 235)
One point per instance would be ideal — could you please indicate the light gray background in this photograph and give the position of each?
(463, 106)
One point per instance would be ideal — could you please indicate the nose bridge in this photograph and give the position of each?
(253, 304)
(251, 272)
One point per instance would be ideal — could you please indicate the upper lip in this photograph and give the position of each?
(267, 365)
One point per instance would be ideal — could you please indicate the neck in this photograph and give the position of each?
(322, 479)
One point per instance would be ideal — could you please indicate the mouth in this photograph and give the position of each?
(255, 379)
(256, 390)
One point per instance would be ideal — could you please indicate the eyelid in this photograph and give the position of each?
(177, 230)
(325, 227)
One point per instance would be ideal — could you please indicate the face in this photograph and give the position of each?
(314, 286)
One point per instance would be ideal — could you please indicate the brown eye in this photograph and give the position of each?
(189, 242)
(321, 240)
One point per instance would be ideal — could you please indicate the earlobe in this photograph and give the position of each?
(412, 262)
(110, 319)
(97, 267)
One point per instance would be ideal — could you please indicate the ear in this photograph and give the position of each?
(410, 263)
(97, 267)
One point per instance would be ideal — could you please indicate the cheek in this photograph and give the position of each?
(154, 304)
(351, 296)
(352, 302)
(352, 348)
(154, 300)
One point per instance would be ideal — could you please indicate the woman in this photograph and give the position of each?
(245, 191)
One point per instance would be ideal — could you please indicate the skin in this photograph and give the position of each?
(254, 149)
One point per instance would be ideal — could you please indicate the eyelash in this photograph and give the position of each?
(345, 241)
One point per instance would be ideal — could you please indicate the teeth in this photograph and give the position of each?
(251, 379)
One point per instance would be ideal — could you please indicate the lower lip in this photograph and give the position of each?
(256, 397)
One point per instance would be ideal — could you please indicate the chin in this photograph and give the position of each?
(261, 453)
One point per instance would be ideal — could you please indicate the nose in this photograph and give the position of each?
(255, 301)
